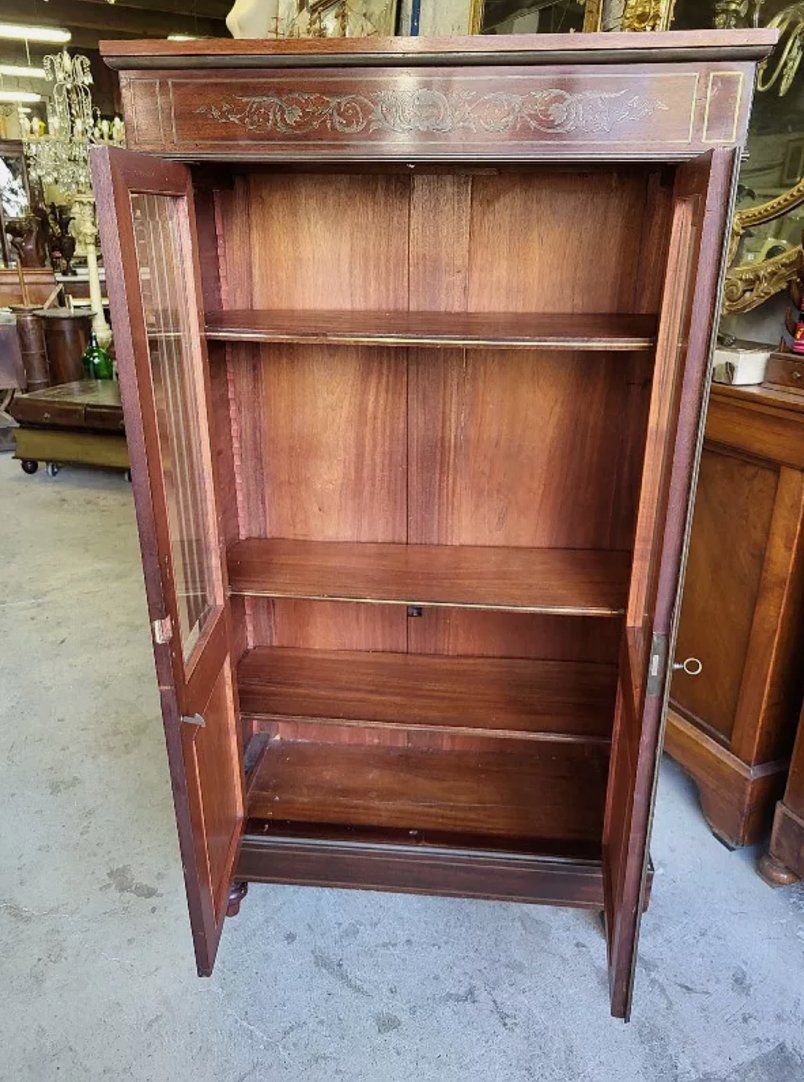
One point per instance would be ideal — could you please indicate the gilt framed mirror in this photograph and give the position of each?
(765, 252)
(15, 196)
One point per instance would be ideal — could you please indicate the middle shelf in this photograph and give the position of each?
(570, 700)
(497, 330)
(571, 582)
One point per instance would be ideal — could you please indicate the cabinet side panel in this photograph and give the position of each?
(233, 225)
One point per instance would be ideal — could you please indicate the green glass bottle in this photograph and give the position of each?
(95, 361)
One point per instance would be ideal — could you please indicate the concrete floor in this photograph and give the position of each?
(97, 970)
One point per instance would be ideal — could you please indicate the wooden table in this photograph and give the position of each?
(79, 422)
(732, 728)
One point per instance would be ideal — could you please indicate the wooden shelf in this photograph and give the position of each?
(572, 582)
(498, 330)
(532, 790)
(557, 700)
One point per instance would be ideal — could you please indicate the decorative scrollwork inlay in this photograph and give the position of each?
(429, 111)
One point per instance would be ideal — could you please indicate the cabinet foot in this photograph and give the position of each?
(774, 873)
(237, 893)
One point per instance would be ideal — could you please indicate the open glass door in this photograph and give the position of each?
(147, 224)
(689, 313)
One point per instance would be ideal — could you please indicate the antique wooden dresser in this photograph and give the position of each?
(732, 728)
(413, 339)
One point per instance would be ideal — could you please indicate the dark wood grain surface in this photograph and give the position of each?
(732, 728)
(784, 861)
(620, 48)
(205, 763)
(502, 494)
(506, 330)
(580, 582)
(504, 694)
(702, 194)
(430, 865)
(489, 792)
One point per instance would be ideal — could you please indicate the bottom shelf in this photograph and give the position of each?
(548, 795)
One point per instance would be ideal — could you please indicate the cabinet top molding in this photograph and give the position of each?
(537, 49)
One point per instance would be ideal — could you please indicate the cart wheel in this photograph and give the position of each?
(53, 468)
(29, 465)
(128, 476)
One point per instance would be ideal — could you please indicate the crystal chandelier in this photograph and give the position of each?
(59, 154)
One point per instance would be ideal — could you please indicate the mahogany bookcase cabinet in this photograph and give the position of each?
(413, 339)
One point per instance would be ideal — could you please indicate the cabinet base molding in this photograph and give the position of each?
(416, 869)
(783, 863)
(735, 798)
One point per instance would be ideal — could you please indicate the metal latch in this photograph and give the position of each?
(162, 631)
(658, 664)
(194, 719)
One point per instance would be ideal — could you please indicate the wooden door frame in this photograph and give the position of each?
(716, 187)
(116, 173)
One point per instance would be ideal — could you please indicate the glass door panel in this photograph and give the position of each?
(160, 236)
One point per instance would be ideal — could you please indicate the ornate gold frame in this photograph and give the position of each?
(638, 15)
(647, 14)
(750, 284)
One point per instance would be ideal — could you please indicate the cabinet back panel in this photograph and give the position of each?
(455, 240)
(322, 442)
(335, 242)
(325, 625)
(343, 625)
(465, 632)
(452, 447)
(434, 446)
(531, 243)
(526, 449)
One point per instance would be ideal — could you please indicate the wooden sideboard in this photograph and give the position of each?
(732, 728)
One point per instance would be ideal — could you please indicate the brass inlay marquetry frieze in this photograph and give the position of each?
(426, 110)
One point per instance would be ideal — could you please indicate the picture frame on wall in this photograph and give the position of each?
(527, 16)
(339, 18)
(312, 18)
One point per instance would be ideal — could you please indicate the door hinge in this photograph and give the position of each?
(194, 719)
(657, 669)
(162, 631)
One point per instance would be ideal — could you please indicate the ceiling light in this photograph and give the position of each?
(47, 35)
(19, 71)
(18, 95)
